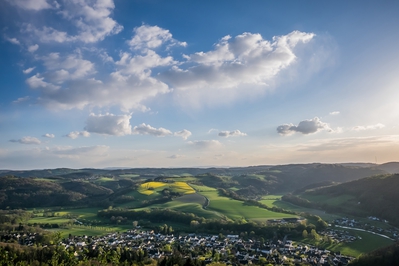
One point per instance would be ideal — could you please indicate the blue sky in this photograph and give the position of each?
(105, 83)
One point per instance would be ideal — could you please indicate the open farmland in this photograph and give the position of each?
(149, 188)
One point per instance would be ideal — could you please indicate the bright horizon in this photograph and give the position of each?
(97, 84)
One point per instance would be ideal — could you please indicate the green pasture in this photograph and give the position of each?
(190, 203)
(203, 188)
(367, 243)
(49, 220)
(89, 214)
(80, 230)
(104, 179)
(236, 210)
(275, 201)
(129, 175)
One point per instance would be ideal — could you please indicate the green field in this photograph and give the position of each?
(275, 201)
(367, 243)
(235, 209)
(77, 230)
(129, 176)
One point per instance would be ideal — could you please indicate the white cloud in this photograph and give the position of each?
(205, 144)
(90, 18)
(234, 133)
(13, 40)
(33, 48)
(235, 65)
(71, 67)
(369, 127)
(31, 4)
(27, 140)
(22, 99)
(76, 134)
(127, 87)
(144, 129)
(239, 66)
(335, 113)
(28, 70)
(50, 136)
(184, 134)
(37, 81)
(109, 124)
(140, 65)
(305, 127)
(150, 37)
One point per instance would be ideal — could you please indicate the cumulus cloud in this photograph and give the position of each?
(28, 70)
(76, 134)
(33, 48)
(234, 133)
(109, 124)
(236, 63)
(71, 67)
(305, 127)
(150, 37)
(144, 129)
(35, 5)
(91, 20)
(13, 40)
(369, 127)
(127, 87)
(37, 81)
(27, 140)
(184, 134)
(50, 136)
(205, 144)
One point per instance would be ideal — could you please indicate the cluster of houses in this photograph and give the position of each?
(339, 235)
(230, 249)
(389, 231)
(27, 239)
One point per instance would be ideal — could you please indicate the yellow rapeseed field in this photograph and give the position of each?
(148, 188)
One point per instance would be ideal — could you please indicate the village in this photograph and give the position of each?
(230, 249)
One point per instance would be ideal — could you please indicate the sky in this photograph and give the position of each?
(148, 83)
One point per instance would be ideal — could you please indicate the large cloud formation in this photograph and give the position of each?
(235, 65)
(109, 124)
(149, 69)
(91, 20)
(305, 127)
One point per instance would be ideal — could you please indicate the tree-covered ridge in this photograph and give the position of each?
(376, 196)
(29, 193)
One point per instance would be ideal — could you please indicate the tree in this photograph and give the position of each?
(305, 234)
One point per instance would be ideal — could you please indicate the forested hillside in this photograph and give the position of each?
(377, 196)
